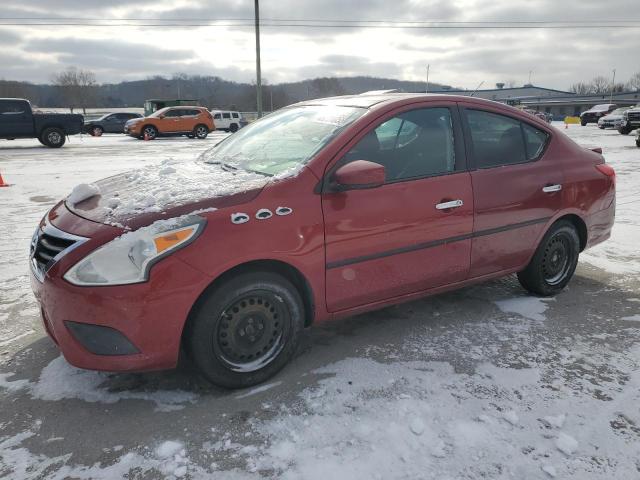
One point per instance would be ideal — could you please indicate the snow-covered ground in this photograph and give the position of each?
(482, 383)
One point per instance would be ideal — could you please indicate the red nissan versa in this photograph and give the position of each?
(321, 210)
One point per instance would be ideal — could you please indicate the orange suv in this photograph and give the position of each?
(194, 122)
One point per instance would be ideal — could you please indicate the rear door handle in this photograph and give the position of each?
(552, 188)
(448, 205)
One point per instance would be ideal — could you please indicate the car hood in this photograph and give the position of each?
(133, 199)
(612, 117)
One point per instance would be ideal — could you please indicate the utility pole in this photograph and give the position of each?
(258, 74)
(613, 85)
(426, 90)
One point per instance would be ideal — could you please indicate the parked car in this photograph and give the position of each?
(612, 120)
(228, 121)
(320, 210)
(172, 121)
(630, 120)
(109, 123)
(594, 113)
(18, 120)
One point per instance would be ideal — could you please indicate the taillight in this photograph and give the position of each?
(607, 170)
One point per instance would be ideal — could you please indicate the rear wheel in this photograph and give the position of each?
(201, 132)
(554, 262)
(53, 137)
(246, 330)
(233, 127)
(97, 131)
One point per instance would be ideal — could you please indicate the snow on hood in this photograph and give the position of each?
(142, 196)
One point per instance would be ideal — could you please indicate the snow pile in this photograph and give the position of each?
(170, 184)
(82, 192)
(532, 308)
(59, 381)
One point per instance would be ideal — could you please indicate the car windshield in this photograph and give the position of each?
(283, 141)
(619, 111)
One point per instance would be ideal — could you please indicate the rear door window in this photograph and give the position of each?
(173, 113)
(226, 115)
(12, 108)
(501, 140)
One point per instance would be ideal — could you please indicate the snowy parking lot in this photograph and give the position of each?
(483, 383)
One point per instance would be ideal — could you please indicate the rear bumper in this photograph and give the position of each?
(121, 328)
(600, 224)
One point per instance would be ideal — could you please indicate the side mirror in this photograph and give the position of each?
(359, 174)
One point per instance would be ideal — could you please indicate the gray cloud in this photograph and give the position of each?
(460, 57)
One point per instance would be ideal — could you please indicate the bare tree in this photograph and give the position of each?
(77, 87)
(600, 85)
(580, 88)
(634, 82)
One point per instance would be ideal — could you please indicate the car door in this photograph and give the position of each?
(413, 232)
(110, 124)
(172, 121)
(15, 118)
(516, 188)
(190, 118)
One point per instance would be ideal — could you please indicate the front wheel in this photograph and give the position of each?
(638, 143)
(53, 137)
(201, 132)
(246, 330)
(149, 132)
(97, 131)
(554, 262)
(624, 130)
(583, 123)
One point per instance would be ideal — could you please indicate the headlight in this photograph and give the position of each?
(128, 258)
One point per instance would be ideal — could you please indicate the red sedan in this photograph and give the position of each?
(321, 210)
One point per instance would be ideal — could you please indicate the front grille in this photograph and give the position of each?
(634, 116)
(48, 245)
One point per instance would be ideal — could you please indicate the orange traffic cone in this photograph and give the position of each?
(2, 184)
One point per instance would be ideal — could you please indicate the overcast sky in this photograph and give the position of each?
(458, 57)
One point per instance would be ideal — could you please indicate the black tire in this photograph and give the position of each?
(246, 330)
(53, 137)
(97, 131)
(624, 130)
(554, 262)
(638, 143)
(583, 123)
(201, 131)
(233, 128)
(150, 131)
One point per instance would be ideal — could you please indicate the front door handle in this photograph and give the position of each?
(448, 205)
(552, 188)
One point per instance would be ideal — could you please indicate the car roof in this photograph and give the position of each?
(379, 99)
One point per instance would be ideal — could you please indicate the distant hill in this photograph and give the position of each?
(212, 91)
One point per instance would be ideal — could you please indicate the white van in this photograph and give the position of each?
(227, 120)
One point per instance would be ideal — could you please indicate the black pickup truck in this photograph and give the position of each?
(18, 120)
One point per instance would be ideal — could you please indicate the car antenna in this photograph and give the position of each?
(474, 92)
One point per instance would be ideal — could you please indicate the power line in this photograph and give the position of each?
(331, 21)
(337, 25)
